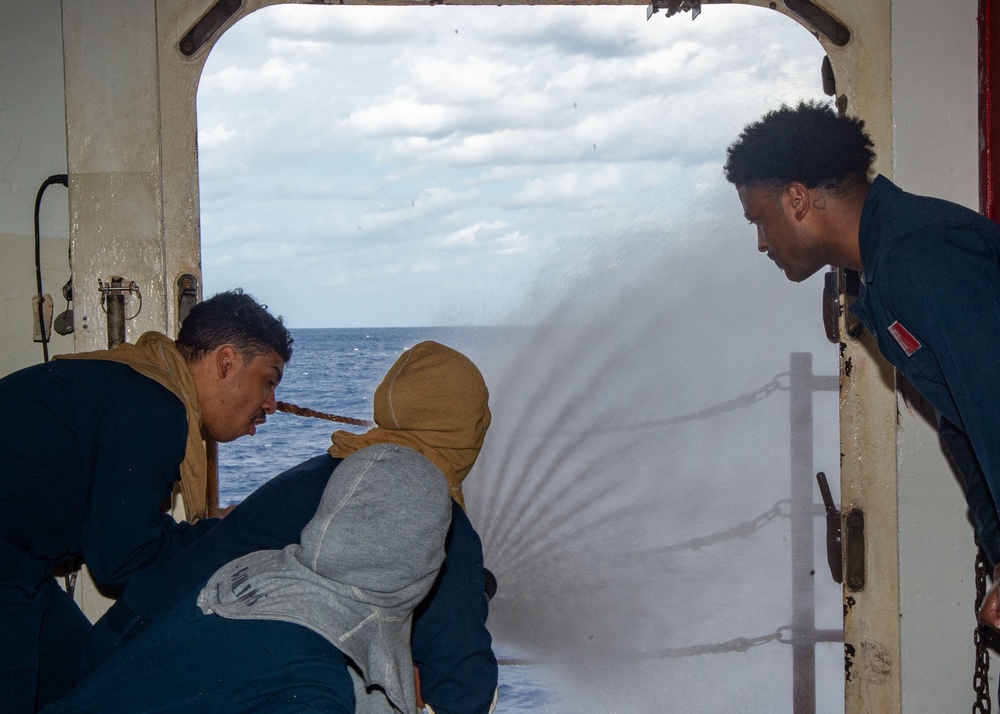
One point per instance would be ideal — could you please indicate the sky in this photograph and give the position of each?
(408, 166)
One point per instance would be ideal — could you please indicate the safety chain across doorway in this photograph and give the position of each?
(981, 679)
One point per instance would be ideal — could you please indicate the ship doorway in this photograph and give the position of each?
(551, 175)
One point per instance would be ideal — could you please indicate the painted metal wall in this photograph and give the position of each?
(935, 152)
(32, 148)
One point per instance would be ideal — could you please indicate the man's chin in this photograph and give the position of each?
(798, 276)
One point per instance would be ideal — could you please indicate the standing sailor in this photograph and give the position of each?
(930, 270)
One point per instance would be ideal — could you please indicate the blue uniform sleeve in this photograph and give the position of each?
(269, 518)
(139, 445)
(946, 281)
(977, 492)
(452, 648)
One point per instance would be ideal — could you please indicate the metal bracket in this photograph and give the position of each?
(187, 296)
(208, 26)
(855, 560)
(113, 303)
(831, 306)
(673, 7)
(820, 20)
(117, 289)
(852, 288)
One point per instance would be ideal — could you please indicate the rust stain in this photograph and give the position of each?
(848, 605)
(848, 366)
(848, 660)
(878, 663)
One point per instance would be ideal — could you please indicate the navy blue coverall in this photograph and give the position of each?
(89, 452)
(451, 646)
(931, 297)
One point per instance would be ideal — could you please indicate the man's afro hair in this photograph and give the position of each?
(810, 143)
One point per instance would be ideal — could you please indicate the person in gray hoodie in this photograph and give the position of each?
(321, 625)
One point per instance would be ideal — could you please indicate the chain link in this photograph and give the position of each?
(981, 679)
(741, 402)
(738, 644)
(740, 530)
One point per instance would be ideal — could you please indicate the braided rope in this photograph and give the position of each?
(306, 412)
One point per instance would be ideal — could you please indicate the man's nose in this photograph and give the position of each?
(761, 243)
(269, 404)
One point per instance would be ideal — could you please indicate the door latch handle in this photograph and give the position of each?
(834, 536)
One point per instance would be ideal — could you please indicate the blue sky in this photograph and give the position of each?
(387, 166)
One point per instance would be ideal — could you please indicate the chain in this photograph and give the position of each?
(738, 644)
(741, 402)
(306, 412)
(981, 679)
(741, 530)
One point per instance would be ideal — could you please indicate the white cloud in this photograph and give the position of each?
(401, 116)
(211, 136)
(467, 236)
(341, 144)
(276, 73)
(570, 186)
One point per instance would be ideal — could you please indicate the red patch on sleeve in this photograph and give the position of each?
(904, 339)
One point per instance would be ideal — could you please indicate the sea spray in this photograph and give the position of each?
(633, 491)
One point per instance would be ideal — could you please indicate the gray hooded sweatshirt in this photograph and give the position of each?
(366, 560)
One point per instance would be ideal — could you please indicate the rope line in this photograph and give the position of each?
(306, 412)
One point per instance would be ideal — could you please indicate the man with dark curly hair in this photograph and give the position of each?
(930, 269)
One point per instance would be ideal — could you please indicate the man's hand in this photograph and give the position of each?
(416, 682)
(989, 613)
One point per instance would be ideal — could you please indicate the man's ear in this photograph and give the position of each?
(798, 196)
(226, 358)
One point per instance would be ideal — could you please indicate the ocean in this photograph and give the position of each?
(337, 371)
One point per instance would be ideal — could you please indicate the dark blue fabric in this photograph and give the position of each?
(934, 267)
(190, 662)
(91, 451)
(43, 631)
(451, 645)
